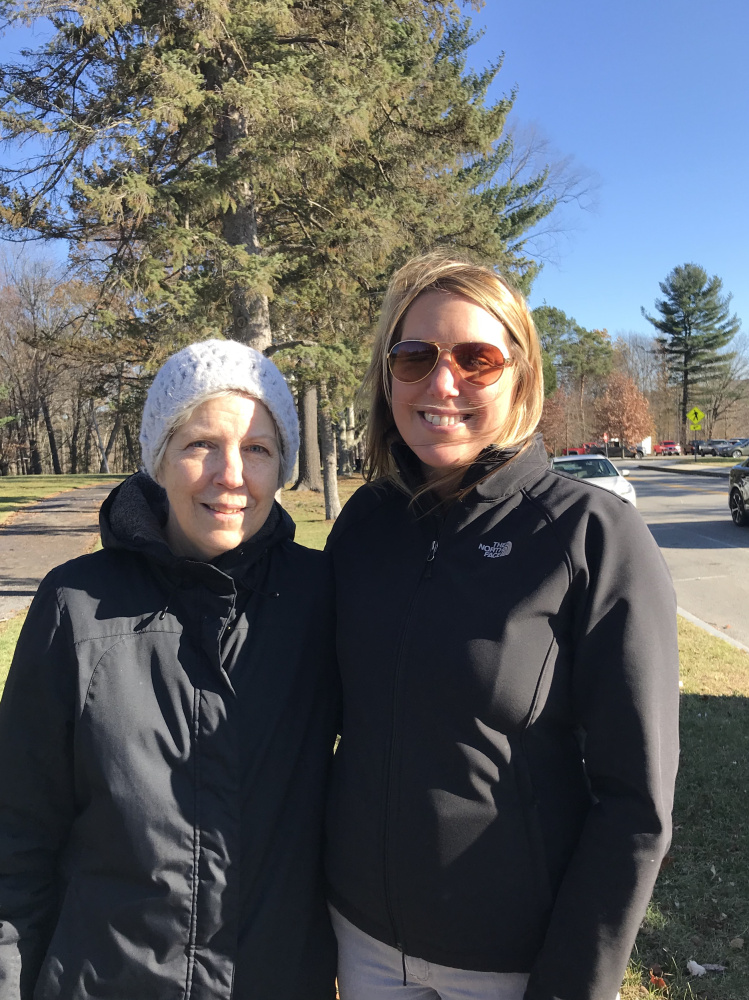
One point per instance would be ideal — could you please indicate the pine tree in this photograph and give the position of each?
(198, 158)
(695, 326)
(554, 329)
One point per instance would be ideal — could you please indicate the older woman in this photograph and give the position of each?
(502, 792)
(168, 722)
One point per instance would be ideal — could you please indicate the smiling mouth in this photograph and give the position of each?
(443, 420)
(224, 509)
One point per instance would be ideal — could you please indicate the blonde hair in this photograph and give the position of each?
(487, 289)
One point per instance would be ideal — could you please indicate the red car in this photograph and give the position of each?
(586, 448)
(667, 448)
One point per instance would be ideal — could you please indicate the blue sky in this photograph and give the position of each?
(651, 97)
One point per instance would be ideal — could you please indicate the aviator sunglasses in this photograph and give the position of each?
(480, 364)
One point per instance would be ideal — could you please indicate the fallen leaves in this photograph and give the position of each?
(656, 978)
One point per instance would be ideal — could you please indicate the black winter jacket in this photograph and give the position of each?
(165, 735)
(502, 793)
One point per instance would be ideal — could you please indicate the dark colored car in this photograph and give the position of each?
(711, 447)
(735, 448)
(738, 494)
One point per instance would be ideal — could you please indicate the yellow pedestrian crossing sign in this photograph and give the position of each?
(695, 415)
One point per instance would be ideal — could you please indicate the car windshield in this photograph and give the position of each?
(594, 469)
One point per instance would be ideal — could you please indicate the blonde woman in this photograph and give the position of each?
(502, 792)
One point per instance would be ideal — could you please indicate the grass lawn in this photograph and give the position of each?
(308, 510)
(19, 491)
(700, 908)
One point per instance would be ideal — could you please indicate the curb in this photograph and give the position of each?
(712, 473)
(711, 629)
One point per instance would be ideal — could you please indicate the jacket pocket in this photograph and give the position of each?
(532, 819)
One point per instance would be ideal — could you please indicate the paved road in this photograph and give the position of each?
(707, 554)
(42, 536)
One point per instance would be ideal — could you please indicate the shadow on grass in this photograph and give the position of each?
(701, 903)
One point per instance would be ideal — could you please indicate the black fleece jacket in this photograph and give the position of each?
(165, 733)
(502, 792)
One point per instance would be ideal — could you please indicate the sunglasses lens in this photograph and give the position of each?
(412, 360)
(479, 364)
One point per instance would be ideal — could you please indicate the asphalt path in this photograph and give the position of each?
(37, 538)
(708, 556)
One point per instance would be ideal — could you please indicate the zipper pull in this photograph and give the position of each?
(430, 558)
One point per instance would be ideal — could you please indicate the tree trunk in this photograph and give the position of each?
(330, 478)
(104, 467)
(74, 434)
(132, 452)
(250, 315)
(344, 457)
(52, 442)
(35, 458)
(310, 476)
(683, 414)
(110, 442)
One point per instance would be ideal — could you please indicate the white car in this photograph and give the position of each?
(598, 470)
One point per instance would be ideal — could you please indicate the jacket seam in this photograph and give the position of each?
(550, 521)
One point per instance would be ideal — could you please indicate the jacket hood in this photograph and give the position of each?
(134, 515)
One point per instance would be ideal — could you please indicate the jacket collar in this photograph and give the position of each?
(497, 473)
(521, 469)
(133, 517)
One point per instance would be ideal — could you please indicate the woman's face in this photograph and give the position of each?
(444, 419)
(220, 472)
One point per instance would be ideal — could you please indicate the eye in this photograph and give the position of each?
(200, 444)
(258, 449)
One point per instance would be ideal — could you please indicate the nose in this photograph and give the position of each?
(230, 470)
(444, 378)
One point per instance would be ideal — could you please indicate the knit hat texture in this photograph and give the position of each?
(209, 367)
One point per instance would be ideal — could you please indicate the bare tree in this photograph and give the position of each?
(728, 386)
(554, 424)
(623, 411)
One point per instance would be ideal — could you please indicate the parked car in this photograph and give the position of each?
(735, 448)
(738, 494)
(711, 446)
(598, 470)
(667, 448)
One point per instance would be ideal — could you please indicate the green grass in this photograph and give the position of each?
(701, 901)
(20, 491)
(308, 511)
(9, 631)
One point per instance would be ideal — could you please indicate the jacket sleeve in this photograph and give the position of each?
(36, 791)
(625, 696)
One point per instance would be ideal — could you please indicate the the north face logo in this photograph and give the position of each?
(496, 550)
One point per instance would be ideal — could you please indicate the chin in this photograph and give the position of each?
(445, 459)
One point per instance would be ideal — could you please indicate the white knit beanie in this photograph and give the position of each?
(209, 367)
